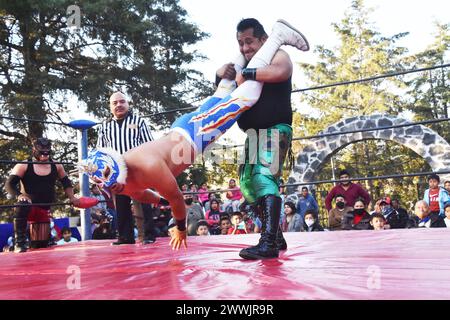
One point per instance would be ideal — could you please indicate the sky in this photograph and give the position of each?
(314, 19)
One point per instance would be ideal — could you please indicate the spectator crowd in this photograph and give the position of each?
(347, 204)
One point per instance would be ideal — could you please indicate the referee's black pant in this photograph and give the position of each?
(125, 220)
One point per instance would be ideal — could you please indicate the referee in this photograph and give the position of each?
(125, 131)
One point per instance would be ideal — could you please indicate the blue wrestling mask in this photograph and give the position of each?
(104, 167)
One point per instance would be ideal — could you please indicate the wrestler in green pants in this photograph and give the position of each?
(265, 153)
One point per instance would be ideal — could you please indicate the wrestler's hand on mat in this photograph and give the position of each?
(178, 238)
(117, 187)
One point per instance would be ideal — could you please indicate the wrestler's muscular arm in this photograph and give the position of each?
(279, 70)
(168, 188)
(19, 170)
(69, 190)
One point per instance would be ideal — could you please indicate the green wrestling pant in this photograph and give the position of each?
(265, 153)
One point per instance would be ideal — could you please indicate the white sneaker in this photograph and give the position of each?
(289, 35)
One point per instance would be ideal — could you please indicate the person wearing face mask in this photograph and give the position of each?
(35, 183)
(351, 191)
(336, 214)
(358, 218)
(311, 223)
(194, 213)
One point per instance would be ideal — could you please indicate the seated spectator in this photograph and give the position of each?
(202, 228)
(238, 225)
(436, 197)
(161, 220)
(447, 186)
(292, 221)
(96, 193)
(234, 197)
(447, 215)
(211, 196)
(9, 247)
(402, 214)
(94, 225)
(351, 191)
(358, 219)
(377, 221)
(335, 215)
(306, 202)
(203, 195)
(213, 215)
(194, 213)
(376, 207)
(249, 224)
(104, 230)
(225, 225)
(311, 223)
(427, 219)
(66, 237)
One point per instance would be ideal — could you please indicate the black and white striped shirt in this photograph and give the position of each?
(131, 133)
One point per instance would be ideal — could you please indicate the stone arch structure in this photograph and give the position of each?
(422, 140)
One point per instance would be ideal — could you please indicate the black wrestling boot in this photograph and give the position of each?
(20, 234)
(281, 242)
(267, 246)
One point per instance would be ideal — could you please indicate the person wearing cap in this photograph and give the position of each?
(436, 197)
(35, 183)
(351, 191)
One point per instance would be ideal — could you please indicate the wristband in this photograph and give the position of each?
(249, 73)
(181, 224)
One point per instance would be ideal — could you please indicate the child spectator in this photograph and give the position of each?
(358, 219)
(104, 230)
(203, 195)
(66, 237)
(336, 214)
(447, 215)
(238, 225)
(202, 228)
(213, 215)
(234, 197)
(194, 213)
(249, 224)
(225, 225)
(311, 223)
(377, 221)
(436, 197)
(292, 221)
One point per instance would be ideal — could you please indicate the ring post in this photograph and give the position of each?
(85, 214)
